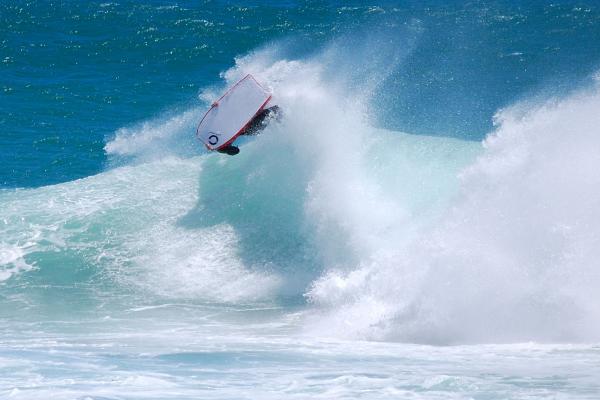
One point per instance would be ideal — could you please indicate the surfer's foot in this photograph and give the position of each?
(229, 150)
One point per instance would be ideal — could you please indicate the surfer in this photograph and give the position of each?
(254, 127)
(240, 111)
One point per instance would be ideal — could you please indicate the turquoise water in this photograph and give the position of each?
(422, 222)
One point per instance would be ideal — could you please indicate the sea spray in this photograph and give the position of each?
(515, 256)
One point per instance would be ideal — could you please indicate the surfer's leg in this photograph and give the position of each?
(259, 122)
(229, 150)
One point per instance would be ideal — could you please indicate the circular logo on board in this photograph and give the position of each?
(213, 138)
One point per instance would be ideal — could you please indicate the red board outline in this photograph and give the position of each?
(215, 104)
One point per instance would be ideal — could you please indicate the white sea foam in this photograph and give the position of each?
(514, 258)
(12, 261)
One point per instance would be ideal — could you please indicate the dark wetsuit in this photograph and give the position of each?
(258, 123)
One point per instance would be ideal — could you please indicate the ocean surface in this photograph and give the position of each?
(422, 223)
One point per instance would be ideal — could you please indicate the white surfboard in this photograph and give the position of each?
(229, 115)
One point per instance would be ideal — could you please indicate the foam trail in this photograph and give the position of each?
(515, 257)
(151, 140)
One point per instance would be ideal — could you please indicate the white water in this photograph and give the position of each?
(514, 258)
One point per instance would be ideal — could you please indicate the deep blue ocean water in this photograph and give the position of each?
(423, 222)
(74, 72)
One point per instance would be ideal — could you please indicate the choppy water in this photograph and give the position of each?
(422, 223)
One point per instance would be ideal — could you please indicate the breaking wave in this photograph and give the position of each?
(513, 258)
(385, 235)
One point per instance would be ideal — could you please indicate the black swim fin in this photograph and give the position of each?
(229, 150)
